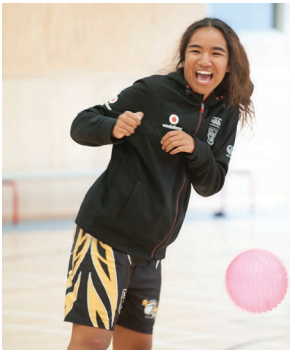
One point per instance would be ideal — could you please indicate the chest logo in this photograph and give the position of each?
(173, 119)
(213, 129)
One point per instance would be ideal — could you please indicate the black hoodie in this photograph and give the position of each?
(138, 204)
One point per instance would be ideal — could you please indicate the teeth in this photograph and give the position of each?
(204, 72)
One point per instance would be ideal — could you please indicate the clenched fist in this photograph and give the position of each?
(126, 124)
(178, 141)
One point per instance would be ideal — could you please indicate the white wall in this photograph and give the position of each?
(59, 59)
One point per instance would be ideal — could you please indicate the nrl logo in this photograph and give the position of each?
(213, 129)
(150, 308)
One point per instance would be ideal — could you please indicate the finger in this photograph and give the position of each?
(123, 126)
(172, 140)
(119, 132)
(136, 117)
(185, 147)
(177, 150)
(169, 135)
(124, 119)
(171, 145)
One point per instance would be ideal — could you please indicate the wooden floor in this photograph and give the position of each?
(195, 311)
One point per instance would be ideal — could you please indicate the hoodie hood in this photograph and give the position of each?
(178, 78)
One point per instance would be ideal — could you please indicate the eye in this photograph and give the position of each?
(196, 51)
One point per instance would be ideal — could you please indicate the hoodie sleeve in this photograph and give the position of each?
(209, 167)
(93, 126)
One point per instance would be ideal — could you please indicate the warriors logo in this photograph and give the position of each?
(150, 308)
(212, 132)
(213, 129)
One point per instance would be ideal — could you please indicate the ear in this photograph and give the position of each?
(228, 69)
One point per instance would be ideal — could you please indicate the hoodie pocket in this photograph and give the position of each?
(132, 202)
(144, 216)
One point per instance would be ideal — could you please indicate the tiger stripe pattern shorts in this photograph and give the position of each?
(106, 287)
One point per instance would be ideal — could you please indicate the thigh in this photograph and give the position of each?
(142, 299)
(126, 339)
(97, 280)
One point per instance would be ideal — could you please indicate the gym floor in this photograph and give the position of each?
(195, 311)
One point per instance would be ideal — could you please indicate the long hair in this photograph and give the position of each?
(236, 83)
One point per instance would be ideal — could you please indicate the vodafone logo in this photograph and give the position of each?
(113, 100)
(173, 119)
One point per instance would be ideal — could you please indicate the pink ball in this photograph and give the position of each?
(256, 281)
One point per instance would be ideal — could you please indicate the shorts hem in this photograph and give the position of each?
(136, 328)
(79, 321)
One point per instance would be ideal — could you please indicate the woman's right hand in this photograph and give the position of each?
(126, 124)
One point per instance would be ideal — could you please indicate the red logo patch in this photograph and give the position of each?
(173, 119)
(113, 100)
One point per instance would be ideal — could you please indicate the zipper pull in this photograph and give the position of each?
(202, 108)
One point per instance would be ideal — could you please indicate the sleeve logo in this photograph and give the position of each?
(213, 129)
(229, 150)
(112, 100)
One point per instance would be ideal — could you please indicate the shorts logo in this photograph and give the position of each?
(173, 119)
(213, 129)
(150, 308)
(123, 297)
(229, 150)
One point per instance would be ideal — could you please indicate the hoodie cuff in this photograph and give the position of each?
(199, 155)
(106, 132)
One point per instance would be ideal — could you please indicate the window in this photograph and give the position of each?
(246, 16)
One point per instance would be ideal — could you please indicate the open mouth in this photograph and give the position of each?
(203, 77)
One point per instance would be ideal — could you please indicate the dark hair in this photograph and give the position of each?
(237, 82)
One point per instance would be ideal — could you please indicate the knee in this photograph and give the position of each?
(86, 344)
(89, 338)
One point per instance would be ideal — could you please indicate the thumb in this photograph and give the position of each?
(139, 115)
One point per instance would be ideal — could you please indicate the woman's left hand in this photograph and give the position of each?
(178, 141)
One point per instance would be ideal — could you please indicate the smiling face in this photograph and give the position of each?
(206, 60)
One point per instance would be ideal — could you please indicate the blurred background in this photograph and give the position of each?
(59, 59)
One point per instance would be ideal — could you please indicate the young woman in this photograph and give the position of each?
(169, 132)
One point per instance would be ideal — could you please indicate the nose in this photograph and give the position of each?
(204, 59)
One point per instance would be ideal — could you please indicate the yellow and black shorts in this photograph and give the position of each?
(106, 287)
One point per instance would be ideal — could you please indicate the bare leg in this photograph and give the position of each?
(126, 339)
(89, 338)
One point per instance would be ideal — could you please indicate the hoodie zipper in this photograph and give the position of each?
(200, 118)
(160, 244)
(181, 189)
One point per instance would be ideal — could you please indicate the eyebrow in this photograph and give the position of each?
(214, 48)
